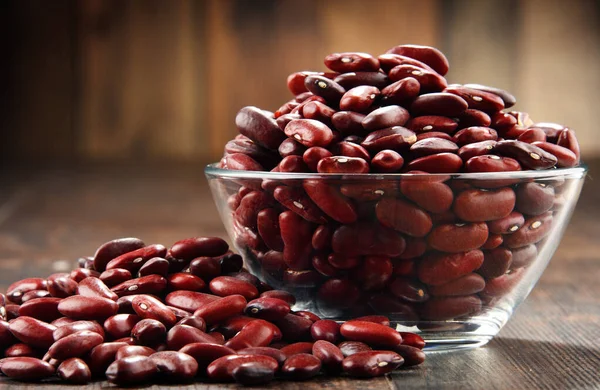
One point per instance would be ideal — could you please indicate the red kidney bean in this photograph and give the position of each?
(529, 156)
(75, 345)
(436, 163)
(409, 290)
(61, 285)
(401, 92)
(369, 191)
(280, 294)
(154, 266)
(296, 200)
(388, 61)
(134, 350)
(227, 285)
(524, 256)
(34, 294)
(492, 163)
(566, 138)
(297, 348)
(289, 147)
(534, 198)
(370, 333)
(261, 128)
(475, 205)
(302, 366)
(244, 145)
(435, 123)
(241, 162)
(412, 356)
(426, 54)
(359, 99)
(429, 81)
(180, 335)
(384, 117)
(474, 134)
(149, 332)
(81, 273)
(205, 268)
(348, 122)
(387, 161)
(218, 311)
(475, 149)
(308, 315)
(350, 149)
(318, 111)
(478, 99)
(295, 81)
(445, 308)
(131, 370)
(338, 293)
(133, 260)
(498, 287)
(175, 365)
(44, 309)
(185, 281)
(313, 155)
(221, 369)
(120, 325)
(362, 239)
(471, 117)
(94, 287)
(12, 311)
(265, 351)
(493, 241)
(328, 330)
(329, 199)
(532, 135)
(370, 364)
(465, 285)
(150, 284)
(204, 353)
(26, 368)
(196, 322)
(411, 339)
(256, 333)
(252, 373)
(444, 104)
(565, 157)
(331, 356)
(33, 332)
(20, 350)
(297, 235)
(292, 164)
(403, 217)
(430, 193)
(415, 247)
(321, 238)
(352, 62)
(6, 337)
(77, 326)
(533, 230)
(322, 86)
(294, 327)
(189, 300)
(267, 308)
(374, 273)
(115, 276)
(192, 248)
(113, 249)
(436, 269)
(349, 348)
(250, 205)
(354, 79)
(147, 306)
(503, 122)
(496, 263)
(102, 355)
(395, 138)
(433, 145)
(74, 370)
(342, 164)
(268, 227)
(508, 99)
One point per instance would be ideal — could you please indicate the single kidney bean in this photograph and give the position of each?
(35, 294)
(102, 356)
(465, 285)
(273, 262)
(120, 325)
(241, 162)
(147, 306)
(412, 356)
(436, 163)
(205, 268)
(204, 353)
(180, 335)
(21, 350)
(149, 332)
(474, 134)
(372, 190)
(395, 138)
(342, 164)
(296, 348)
(329, 199)
(493, 241)
(318, 111)
(256, 333)
(44, 309)
(6, 337)
(313, 155)
(354, 79)
(134, 350)
(295, 81)
(77, 326)
(131, 370)
(26, 368)
(113, 249)
(74, 370)
(185, 281)
(348, 122)
(374, 273)
(252, 373)
(565, 157)
(231, 326)
(431, 194)
(426, 54)
(409, 290)
(267, 308)
(352, 62)
(302, 366)
(475, 149)
(61, 285)
(196, 322)
(362, 239)
(189, 300)
(370, 364)
(328, 330)
(81, 273)
(244, 145)
(322, 86)
(292, 164)
(115, 276)
(227, 285)
(388, 61)
(475, 205)
(445, 308)
(338, 294)
(280, 294)
(192, 248)
(433, 145)
(321, 238)
(75, 345)
(359, 99)
(349, 348)
(384, 117)
(567, 139)
(439, 268)
(297, 235)
(492, 163)
(471, 117)
(551, 130)
(496, 263)
(533, 230)
(12, 311)
(387, 161)
(330, 355)
(150, 284)
(503, 122)
(478, 99)
(523, 257)
(429, 81)
(412, 340)
(289, 147)
(294, 327)
(429, 123)
(33, 332)
(534, 198)
(370, 333)
(296, 200)
(175, 365)
(529, 156)
(94, 287)
(350, 149)
(265, 351)
(532, 135)
(268, 227)
(401, 92)
(133, 260)
(508, 99)
(154, 266)
(444, 104)
(218, 311)
(403, 217)
(221, 369)
(308, 315)
(16, 290)
(500, 286)
(261, 128)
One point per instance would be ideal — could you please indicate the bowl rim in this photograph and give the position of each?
(212, 170)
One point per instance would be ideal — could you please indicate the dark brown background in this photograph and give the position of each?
(161, 80)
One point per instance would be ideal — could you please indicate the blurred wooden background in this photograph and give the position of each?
(160, 80)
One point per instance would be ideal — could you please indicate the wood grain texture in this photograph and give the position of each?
(50, 217)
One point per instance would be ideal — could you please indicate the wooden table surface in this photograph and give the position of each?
(51, 216)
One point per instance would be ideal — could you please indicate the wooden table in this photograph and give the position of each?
(49, 217)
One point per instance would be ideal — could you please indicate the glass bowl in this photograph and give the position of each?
(448, 256)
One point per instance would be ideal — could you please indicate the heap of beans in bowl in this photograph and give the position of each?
(440, 242)
(136, 313)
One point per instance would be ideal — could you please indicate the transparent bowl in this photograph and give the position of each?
(448, 256)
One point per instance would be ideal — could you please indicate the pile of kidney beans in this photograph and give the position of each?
(137, 313)
(423, 248)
